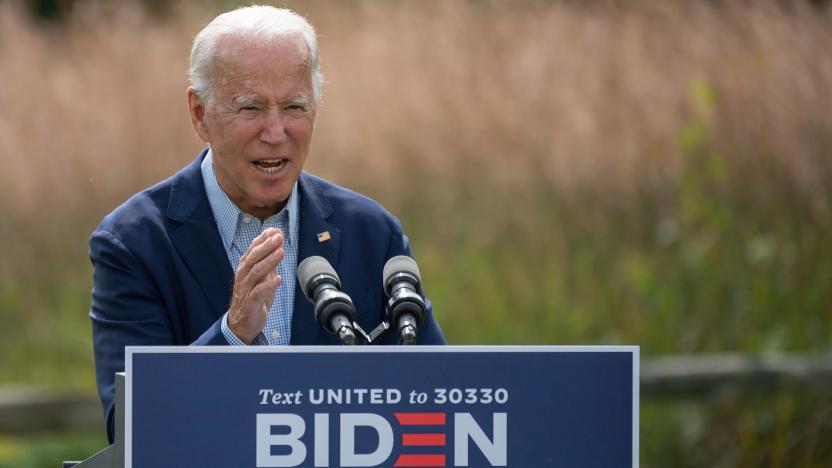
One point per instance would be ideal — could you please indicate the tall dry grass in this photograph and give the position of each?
(652, 172)
(583, 94)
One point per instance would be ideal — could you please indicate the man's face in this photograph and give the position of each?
(260, 122)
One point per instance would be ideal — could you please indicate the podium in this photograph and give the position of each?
(309, 406)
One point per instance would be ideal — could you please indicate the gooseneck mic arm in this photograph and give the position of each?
(334, 310)
(406, 309)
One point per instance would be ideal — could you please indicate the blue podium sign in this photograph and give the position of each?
(305, 406)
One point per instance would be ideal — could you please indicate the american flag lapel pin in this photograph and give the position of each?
(324, 236)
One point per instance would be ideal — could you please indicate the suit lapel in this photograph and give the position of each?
(197, 239)
(315, 211)
(198, 242)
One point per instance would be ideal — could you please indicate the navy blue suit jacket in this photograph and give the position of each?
(162, 276)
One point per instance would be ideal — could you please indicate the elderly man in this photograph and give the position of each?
(209, 256)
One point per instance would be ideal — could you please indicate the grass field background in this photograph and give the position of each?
(653, 173)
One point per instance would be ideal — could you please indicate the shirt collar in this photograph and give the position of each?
(226, 213)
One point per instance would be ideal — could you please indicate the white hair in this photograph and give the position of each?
(258, 22)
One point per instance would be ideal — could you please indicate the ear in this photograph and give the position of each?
(197, 108)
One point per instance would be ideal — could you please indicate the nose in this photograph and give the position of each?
(274, 130)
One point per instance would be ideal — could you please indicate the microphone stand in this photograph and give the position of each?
(408, 333)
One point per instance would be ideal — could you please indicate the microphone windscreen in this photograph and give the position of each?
(311, 267)
(400, 264)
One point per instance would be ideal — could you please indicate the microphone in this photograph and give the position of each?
(334, 309)
(406, 310)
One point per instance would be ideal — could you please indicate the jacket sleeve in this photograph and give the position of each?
(127, 310)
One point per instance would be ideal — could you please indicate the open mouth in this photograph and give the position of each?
(269, 166)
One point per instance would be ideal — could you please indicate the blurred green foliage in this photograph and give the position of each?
(48, 450)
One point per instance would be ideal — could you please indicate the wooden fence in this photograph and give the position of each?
(25, 410)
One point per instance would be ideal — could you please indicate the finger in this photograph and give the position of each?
(265, 271)
(273, 282)
(269, 282)
(249, 315)
(257, 253)
(249, 304)
(269, 245)
(260, 293)
(261, 269)
(258, 240)
(264, 292)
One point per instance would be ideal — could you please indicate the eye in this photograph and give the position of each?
(297, 105)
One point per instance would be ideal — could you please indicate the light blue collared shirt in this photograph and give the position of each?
(237, 229)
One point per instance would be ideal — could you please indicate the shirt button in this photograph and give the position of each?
(275, 334)
(247, 219)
